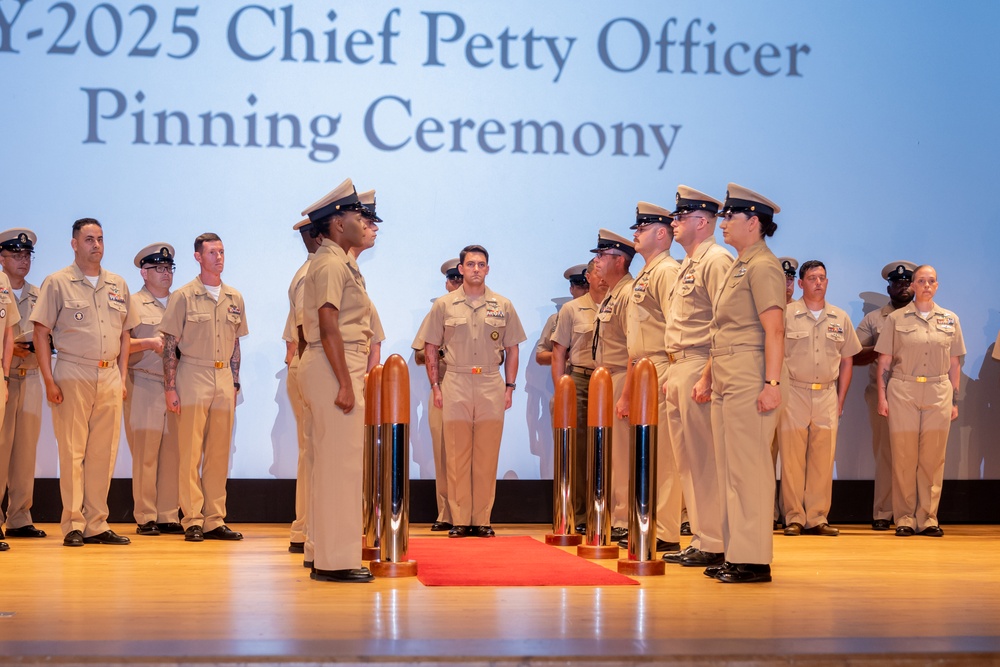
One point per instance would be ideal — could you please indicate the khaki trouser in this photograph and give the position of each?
(473, 413)
(919, 421)
(87, 425)
(581, 381)
(743, 452)
(621, 436)
(205, 433)
(435, 420)
(690, 425)
(882, 451)
(807, 435)
(22, 422)
(336, 441)
(303, 471)
(151, 432)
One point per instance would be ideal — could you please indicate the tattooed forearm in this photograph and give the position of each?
(169, 362)
(234, 362)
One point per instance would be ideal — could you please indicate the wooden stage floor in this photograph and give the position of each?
(861, 598)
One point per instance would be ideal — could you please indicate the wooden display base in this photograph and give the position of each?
(597, 553)
(393, 570)
(370, 553)
(641, 568)
(563, 540)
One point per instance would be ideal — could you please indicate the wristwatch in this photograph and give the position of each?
(512, 385)
(773, 383)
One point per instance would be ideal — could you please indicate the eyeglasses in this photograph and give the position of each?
(607, 253)
(160, 268)
(19, 255)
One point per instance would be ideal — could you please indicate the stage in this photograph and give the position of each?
(861, 598)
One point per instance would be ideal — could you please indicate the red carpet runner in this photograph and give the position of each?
(504, 561)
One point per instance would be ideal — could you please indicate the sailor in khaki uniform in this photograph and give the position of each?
(477, 327)
(919, 347)
(572, 342)
(371, 221)
(646, 319)
(22, 420)
(294, 346)
(86, 310)
(435, 419)
(613, 256)
(747, 351)
(150, 429)
(688, 395)
(204, 320)
(337, 320)
(820, 345)
(898, 274)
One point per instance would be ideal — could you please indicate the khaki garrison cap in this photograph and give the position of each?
(743, 200)
(689, 200)
(789, 265)
(155, 253)
(647, 214)
(899, 270)
(18, 238)
(608, 240)
(368, 201)
(450, 268)
(342, 198)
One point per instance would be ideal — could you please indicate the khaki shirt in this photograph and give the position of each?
(24, 330)
(86, 321)
(334, 278)
(418, 344)
(575, 330)
(545, 342)
(9, 313)
(868, 332)
(921, 347)
(204, 329)
(473, 335)
(755, 282)
(378, 335)
(296, 303)
(645, 312)
(150, 312)
(610, 327)
(689, 304)
(814, 346)
(996, 348)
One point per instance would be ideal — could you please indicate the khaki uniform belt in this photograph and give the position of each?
(690, 353)
(474, 370)
(815, 386)
(352, 347)
(204, 363)
(920, 378)
(733, 349)
(80, 361)
(23, 372)
(151, 374)
(580, 370)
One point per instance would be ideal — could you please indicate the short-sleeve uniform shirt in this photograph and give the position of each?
(611, 327)
(150, 313)
(334, 278)
(575, 330)
(647, 305)
(205, 329)
(689, 304)
(473, 335)
(921, 347)
(868, 332)
(86, 321)
(814, 346)
(755, 282)
(24, 330)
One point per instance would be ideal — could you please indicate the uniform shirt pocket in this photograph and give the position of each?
(452, 326)
(199, 317)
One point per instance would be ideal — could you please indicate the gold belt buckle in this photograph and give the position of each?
(104, 364)
(21, 372)
(476, 370)
(816, 386)
(671, 357)
(921, 378)
(220, 364)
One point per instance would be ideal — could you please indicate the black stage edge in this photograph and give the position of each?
(518, 501)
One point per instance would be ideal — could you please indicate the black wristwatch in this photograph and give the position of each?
(237, 385)
(512, 385)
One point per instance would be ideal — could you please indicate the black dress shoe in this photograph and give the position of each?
(308, 564)
(581, 528)
(483, 531)
(107, 537)
(793, 529)
(824, 529)
(663, 545)
(171, 528)
(703, 558)
(458, 531)
(714, 571)
(881, 524)
(619, 534)
(223, 533)
(24, 531)
(932, 531)
(359, 575)
(148, 528)
(296, 547)
(677, 557)
(4, 546)
(194, 534)
(74, 538)
(776, 526)
(441, 526)
(686, 528)
(746, 573)
(905, 531)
